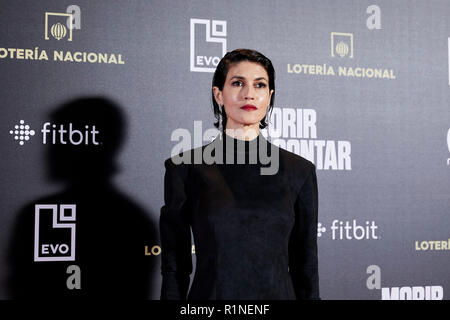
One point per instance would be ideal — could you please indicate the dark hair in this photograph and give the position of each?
(220, 76)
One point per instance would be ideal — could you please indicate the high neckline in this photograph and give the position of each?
(236, 139)
(241, 146)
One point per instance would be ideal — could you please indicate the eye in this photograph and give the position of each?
(260, 85)
(237, 83)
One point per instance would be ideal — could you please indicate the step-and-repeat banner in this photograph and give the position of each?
(96, 94)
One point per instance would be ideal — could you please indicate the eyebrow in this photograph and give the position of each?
(243, 78)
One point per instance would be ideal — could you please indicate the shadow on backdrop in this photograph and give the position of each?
(111, 231)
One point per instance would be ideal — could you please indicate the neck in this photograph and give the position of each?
(243, 132)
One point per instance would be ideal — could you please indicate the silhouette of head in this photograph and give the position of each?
(84, 136)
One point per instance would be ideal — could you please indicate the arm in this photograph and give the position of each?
(303, 264)
(176, 256)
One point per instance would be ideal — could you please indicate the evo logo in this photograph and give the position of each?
(208, 44)
(54, 232)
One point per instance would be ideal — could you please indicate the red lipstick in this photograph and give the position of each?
(248, 107)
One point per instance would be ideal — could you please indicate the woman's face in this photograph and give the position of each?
(245, 95)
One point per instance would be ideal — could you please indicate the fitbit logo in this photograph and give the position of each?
(57, 134)
(346, 230)
(350, 230)
(22, 132)
(320, 229)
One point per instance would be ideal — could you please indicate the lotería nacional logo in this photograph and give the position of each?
(208, 44)
(57, 29)
(54, 232)
(59, 26)
(432, 245)
(342, 44)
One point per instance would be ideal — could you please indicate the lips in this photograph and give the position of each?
(248, 107)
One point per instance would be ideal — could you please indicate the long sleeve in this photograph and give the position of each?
(176, 256)
(303, 261)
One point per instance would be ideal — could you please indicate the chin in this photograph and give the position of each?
(249, 120)
(248, 123)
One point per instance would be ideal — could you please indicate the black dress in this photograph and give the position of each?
(255, 234)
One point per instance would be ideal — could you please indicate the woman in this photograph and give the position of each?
(255, 234)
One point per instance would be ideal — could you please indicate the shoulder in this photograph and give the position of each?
(302, 172)
(296, 162)
(183, 161)
(186, 158)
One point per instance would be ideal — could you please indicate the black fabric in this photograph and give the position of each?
(255, 235)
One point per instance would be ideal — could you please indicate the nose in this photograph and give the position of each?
(249, 93)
